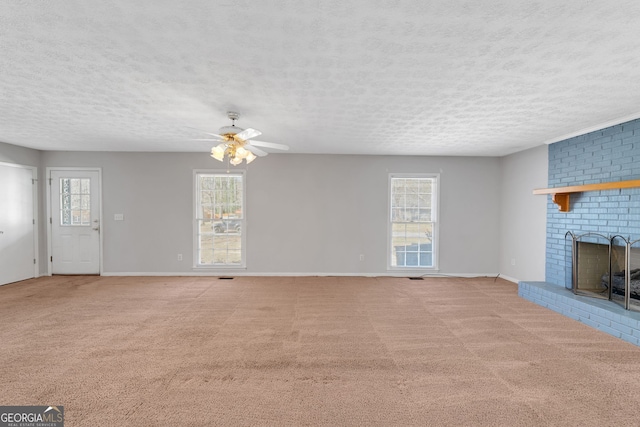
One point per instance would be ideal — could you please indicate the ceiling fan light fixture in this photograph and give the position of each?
(234, 140)
(250, 157)
(241, 152)
(237, 153)
(229, 131)
(218, 151)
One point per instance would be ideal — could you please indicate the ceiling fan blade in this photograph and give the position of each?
(248, 133)
(205, 139)
(255, 150)
(215, 135)
(270, 145)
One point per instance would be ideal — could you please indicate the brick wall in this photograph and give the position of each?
(610, 154)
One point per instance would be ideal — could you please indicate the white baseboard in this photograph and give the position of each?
(295, 274)
(511, 279)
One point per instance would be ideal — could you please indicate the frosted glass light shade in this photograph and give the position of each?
(217, 152)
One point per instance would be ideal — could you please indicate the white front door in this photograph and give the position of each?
(75, 221)
(17, 223)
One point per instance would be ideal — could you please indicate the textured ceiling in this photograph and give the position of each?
(358, 77)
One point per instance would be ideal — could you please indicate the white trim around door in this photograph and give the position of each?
(74, 220)
(19, 223)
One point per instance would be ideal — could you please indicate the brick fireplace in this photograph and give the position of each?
(608, 155)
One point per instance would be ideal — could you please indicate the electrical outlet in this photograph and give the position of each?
(513, 261)
(361, 257)
(179, 257)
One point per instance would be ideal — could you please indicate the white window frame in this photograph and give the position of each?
(435, 208)
(243, 221)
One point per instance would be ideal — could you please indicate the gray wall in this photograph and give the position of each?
(19, 155)
(307, 214)
(523, 215)
(315, 214)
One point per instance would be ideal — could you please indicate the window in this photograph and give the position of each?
(75, 201)
(412, 221)
(220, 219)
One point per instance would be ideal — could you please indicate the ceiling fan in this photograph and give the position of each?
(235, 144)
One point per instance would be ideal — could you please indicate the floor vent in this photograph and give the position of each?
(225, 278)
(416, 278)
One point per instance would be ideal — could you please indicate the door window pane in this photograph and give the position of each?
(75, 201)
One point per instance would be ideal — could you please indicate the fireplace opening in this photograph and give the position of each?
(592, 264)
(606, 267)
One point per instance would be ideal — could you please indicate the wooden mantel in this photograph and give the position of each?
(560, 195)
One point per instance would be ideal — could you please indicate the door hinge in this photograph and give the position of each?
(50, 220)
(51, 259)
(34, 260)
(34, 222)
(50, 181)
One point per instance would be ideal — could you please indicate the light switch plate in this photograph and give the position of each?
(118, 217)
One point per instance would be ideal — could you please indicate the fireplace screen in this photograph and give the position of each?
(590, 264)
(606, 267)
(618, 278)
(631, 293)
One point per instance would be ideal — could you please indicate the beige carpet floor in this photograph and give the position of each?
(307, 351)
